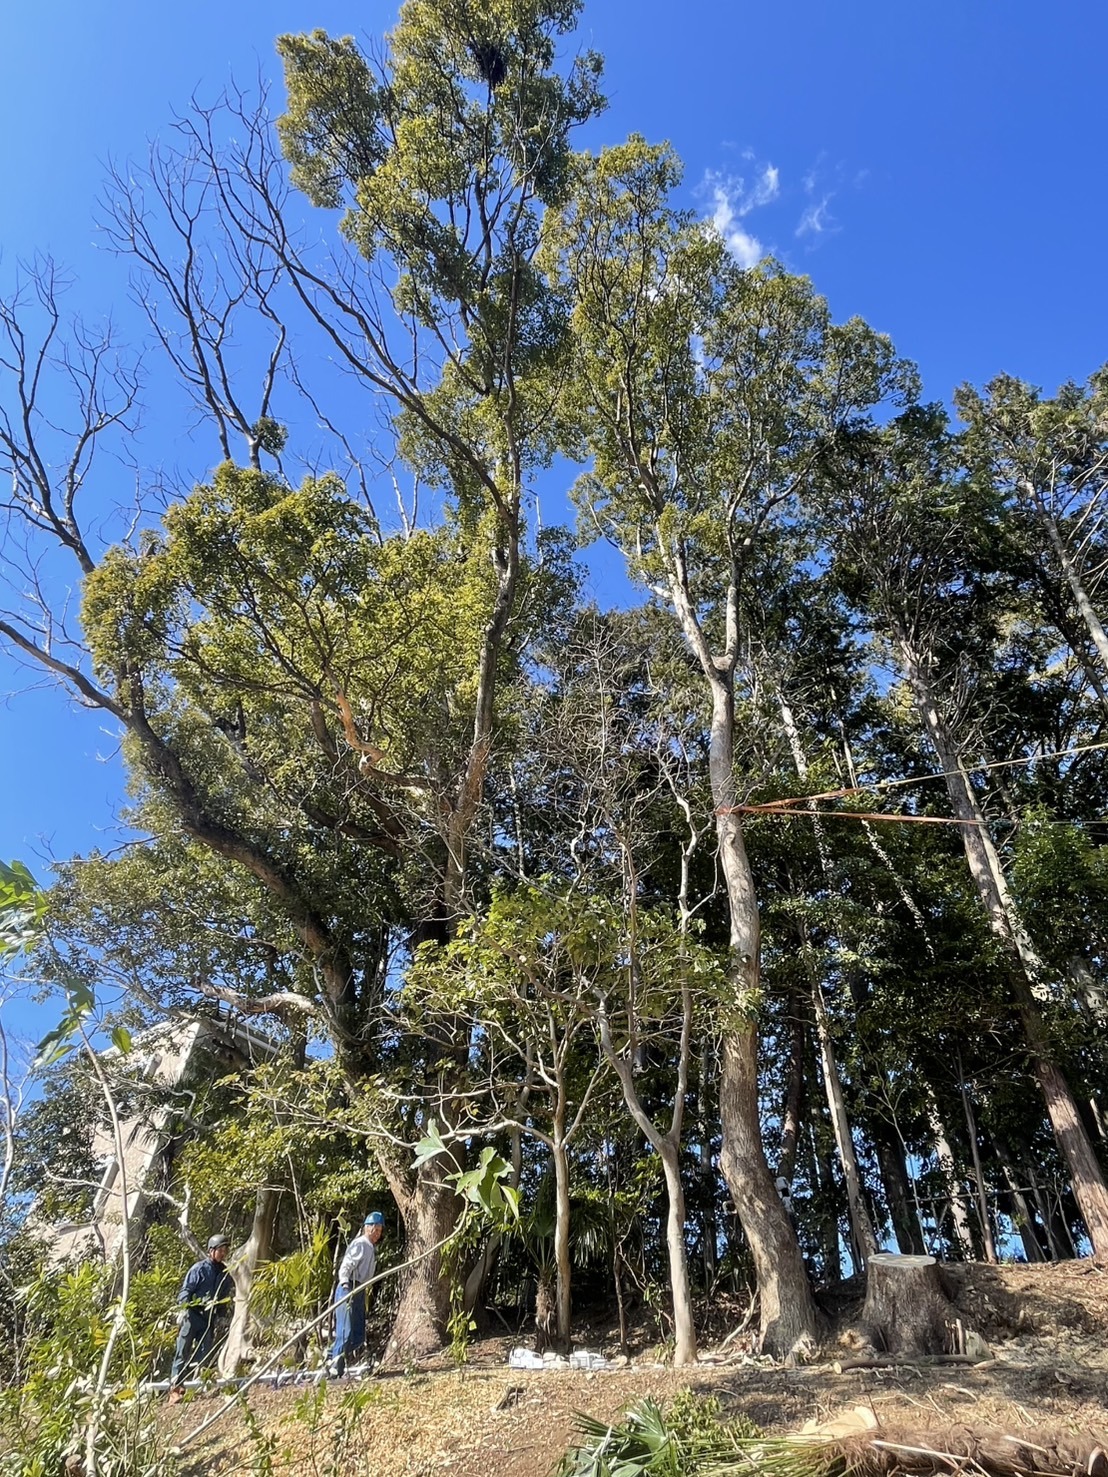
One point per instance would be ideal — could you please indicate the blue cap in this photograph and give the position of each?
(374, 1218)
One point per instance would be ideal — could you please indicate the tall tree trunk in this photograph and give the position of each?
(1069, 570)
(709, 1230)
(823, 1177)
(789, 1320)
(684, 1328)
(794, 1089)
(429, 1210)
(257, 1248)
(1026, 971)
(948, 1170)
(861, 1225)
(1022, 1215)
(898, 1193)
(978, 1175)
(562, 1265)
(666, 1146)
(1056, 1231)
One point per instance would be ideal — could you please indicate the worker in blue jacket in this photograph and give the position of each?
(355, 1274)
(207, 1296)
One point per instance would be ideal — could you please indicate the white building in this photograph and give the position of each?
(168, 1064)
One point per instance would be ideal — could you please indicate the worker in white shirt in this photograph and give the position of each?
(355, 1273)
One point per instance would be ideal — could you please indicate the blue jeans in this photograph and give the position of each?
(194, 1345)
(349, 1324)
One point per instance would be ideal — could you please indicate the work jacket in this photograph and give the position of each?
(357, 1266)
(208, 1285)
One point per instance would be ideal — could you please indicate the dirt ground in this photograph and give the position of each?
(1047, 1377)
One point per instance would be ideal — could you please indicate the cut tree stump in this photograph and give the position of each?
(906, 1310)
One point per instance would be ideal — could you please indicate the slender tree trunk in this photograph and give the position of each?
(1090, 991)
(684, 1328)
(1026, 972)
(794, 1089)
(860, 1223)
(1070, 571)
(1057, 1234)
(823, 1176)
(257, 1248)
(1022, 1216)
(789, 1320)
(944, 1154)
(898, 1195)
(467, 796)
(865, 1242)
(709, 1229)
(666, 1146)
(978, 1176)
(563, 1269)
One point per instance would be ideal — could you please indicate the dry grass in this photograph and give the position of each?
(1048, 1326)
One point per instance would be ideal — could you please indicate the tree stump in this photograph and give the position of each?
(906, 1310)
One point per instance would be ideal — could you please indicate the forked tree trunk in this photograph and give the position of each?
(1026, 971)
(665, 1145)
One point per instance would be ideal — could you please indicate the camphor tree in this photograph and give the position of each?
(704, 395)
(229, 648)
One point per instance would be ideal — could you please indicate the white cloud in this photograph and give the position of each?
(766, 188)
(745, 248)
(817, 218)
(732, 200)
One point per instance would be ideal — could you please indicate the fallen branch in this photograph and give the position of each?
(895, 1361)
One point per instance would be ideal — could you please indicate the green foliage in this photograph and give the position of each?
(22, 909)
(54, 1158)
(687, 1437)
(484, 1187)
(43, 1418)
(293, 1288)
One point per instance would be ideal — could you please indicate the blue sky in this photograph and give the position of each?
(937, 169)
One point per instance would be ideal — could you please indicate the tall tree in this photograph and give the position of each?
(917, 536)
(445, 153)
(704, 395)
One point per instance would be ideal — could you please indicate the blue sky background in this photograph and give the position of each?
(938, 169)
